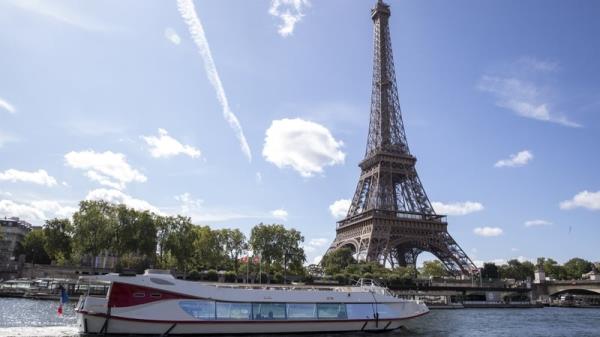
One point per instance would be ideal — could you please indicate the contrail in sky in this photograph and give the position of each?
(188, 13)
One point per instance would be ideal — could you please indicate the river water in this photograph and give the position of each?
(20, 317)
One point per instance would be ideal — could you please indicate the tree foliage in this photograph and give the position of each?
(514, 269)
(277, 245)
(58, 239)
(433, 268)
(338, 260)
(33, 247)
(490, 271)
(234, 244)
(94, 227)
(576, 267)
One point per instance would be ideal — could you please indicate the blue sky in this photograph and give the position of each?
(240, 112)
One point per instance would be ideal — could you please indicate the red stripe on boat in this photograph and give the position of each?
(126, 295)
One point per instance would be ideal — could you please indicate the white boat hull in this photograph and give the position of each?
(92, 324)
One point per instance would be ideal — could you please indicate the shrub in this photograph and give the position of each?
(212, 275)
(194, 275)
(340, 278)
(230, 276)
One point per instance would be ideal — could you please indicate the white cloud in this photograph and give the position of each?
(40, 177)
(317, 259)
(258, 178)
(188, 204)
(280, 214)
(499, 262)
(538, 65)
(102, 180)
(537, 222)
(54, 208)
(289, 12)
(107, 168)
(188, 13)
(457, 208)
(488, 231)
(4, 105)
(585, 199)
(515, 160)
(94, 128)
(117, 197)
(172, 36)
(305, 146)
(57, 10)
(165, 146)
(523, 98)
(316, 245)
(514, 249)
(36, 211)
(339, 208)
(6, 138)
(195, 209)
(318, 242)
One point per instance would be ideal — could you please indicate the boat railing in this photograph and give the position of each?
(372, 286)
(362, 285)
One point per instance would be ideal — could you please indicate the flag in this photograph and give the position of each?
(64, 298)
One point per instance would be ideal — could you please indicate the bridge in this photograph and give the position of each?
(557, 288)
(499, 293)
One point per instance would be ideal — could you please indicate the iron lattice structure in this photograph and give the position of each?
(390, 219)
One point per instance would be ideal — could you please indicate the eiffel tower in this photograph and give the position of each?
(390, 219)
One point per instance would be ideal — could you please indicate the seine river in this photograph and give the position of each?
(19, 317)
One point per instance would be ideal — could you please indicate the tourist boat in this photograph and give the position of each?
(158, 304)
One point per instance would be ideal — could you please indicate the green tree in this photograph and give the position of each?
(58, 239)
(234, 244)
(433, 268)
(93, 227)
(490, 271)
(404, 273)
(134, 237)
(575, 267)
(276, 245)
(552, 269)
(207, 249)
(33, 247)
(164, 227)
(293, 254)
(180, 242)
(338, 260)
(146, 235)
(517, 270)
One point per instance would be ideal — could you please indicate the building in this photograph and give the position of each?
(13, 231)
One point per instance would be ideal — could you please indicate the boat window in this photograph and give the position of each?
(139, 295)
(199, 308)
(390, 310)
(301, 311)
(360, 310)
(331, 311)
(161, 281)
(268, 311)
(227, 310)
